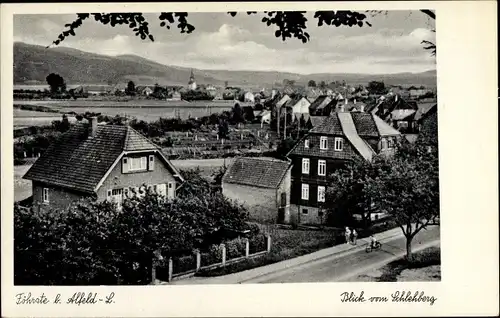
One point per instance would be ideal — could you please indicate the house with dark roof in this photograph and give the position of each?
(339, 139)
(263, 185)
(398, 112)
(318, 106)
(106, 162)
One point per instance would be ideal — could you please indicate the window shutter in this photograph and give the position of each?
(151, 165)
(124, 165)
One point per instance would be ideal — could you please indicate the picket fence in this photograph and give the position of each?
(224, 262)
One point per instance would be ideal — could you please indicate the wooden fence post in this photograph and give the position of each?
(153, 272)
(268, 243)
(223, 246)
(170, 269)
(247, 248)
(198, 260)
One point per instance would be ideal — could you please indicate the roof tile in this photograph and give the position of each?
(260, 172)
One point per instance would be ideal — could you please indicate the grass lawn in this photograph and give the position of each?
(426, 266)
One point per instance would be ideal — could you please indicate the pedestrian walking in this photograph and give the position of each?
(354, 236)
(347, 234)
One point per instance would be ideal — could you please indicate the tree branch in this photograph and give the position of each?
(430, 13)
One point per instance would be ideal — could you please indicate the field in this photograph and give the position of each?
(26, 118)
(22, 188)
(147, 110)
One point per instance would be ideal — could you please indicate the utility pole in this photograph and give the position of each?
(284, 126)
(278, 111)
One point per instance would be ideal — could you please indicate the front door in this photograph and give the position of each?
(170, 190)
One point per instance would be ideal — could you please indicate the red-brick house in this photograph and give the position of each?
(261, 184)
(339, 139)
(107, 162)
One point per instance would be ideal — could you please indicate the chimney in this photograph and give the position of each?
(92, 126)
(342, 108)
(355, 101)
(362, 109)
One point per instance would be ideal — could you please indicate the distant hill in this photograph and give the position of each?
(32, 63)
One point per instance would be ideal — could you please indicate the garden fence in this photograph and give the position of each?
(189, 265)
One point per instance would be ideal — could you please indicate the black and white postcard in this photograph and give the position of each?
(248, 159)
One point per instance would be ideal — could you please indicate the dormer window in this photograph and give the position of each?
(306, 143)
(135, 164)
(323, 143)
(339, 144)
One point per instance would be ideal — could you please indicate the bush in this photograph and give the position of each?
(258, 244)
(184, 264)
(212, 256)
(235, 248)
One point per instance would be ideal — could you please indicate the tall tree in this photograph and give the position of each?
(311, 83)
(56, 83)
(130, 88)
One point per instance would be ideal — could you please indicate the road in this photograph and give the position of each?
(337, 268)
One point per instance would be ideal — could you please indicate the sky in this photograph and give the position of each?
(221, 42)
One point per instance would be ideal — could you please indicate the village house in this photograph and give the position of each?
(298, 105)
(107, 162)
(398, 112)
(144, 90)
(339, 139)
(176, 96)
(262, 185)
(249, 97)
(416, 92)
(318, 106)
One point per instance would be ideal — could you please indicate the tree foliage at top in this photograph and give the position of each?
(287, 24)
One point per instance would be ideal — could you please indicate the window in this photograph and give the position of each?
(137, 164)
(339, 144)
(390, 142)
(151, 165)
(305, 211)
(384, 144)
(321, 168)
(321, 194)
(305, 192)
(306, 143)
(283, 199)
(45, 194)
(323, 143)
(305, 165)
(402, 124)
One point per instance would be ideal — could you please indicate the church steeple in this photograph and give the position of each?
(192, 82)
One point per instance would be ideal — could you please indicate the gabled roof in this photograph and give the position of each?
(329, 126)
(353, 126)
(424, 108)
(351, 133)
(316, 120)
(320, 102)
(292, 102)
(401, 114)
(258, 172)
(79, 162)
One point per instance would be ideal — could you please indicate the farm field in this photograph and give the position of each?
(147, 110)
(22, 188)
(26, 118)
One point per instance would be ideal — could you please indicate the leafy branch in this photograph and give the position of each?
(289, 23)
